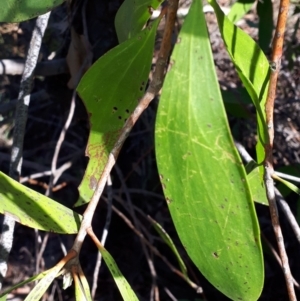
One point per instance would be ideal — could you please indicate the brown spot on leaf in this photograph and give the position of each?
(215, 254)
(93, 182)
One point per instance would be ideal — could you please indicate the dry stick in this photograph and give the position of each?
(19, 131)
(45, 68)
(59, 144)
(288, 213)
(269, 169)
(104, 236)
(276, 256)
(149, 243)
(156, 251)
(137, 224)
(152, 90)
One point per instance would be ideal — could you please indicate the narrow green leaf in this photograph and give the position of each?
(290, 170)
(21, 10)
(252, 67)
(35, 210)
(111, 89)
(121, 282)
(85, 288)
(33, 278)
(39, 290)
(202, 176)
(266, 26)
(288, 184)
(79, 292)
(132, 17)
(239, 9)
(167, 239)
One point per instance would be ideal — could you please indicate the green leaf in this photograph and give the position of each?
(39, 290)
(35, 210)
(4, 294)
(111, 89)
(121, 282)
(132, 17)
(202, 175)
(85, 287)
(290, 170)
(79, 294)
(167, 239)
(265, 27)
(21, 10)
(239, 9)
(288, 184)
(252, 67)
(257, 187)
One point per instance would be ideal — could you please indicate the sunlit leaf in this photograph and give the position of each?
(123, 286)
(79, 293)
(35, 210)
(288, 184)
(111, 89)
(257, 187)
(4, 294)
(39, 290)
(202, 176)
(239, 9)
(20, 10)
(132, 16)
(85, 287)
(252, 67)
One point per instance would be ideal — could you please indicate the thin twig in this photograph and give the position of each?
(279, 198)
(151, 92)
(19, 132)
(60, 142)
(155, 250)
(39, 96)
(287, 177)
(276, 256)
(45, 68)
(86, 62)
(288, 214)
(104, 236)
(269, 169)
(154, 288)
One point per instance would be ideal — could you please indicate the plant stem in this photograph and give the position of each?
(269, 169)
(8, 224)
(151, 92)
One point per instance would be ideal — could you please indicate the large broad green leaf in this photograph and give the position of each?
(202, 176)
(252, 67)
(132, 17)
(20, 10)
(35, 210)
(111, 90)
